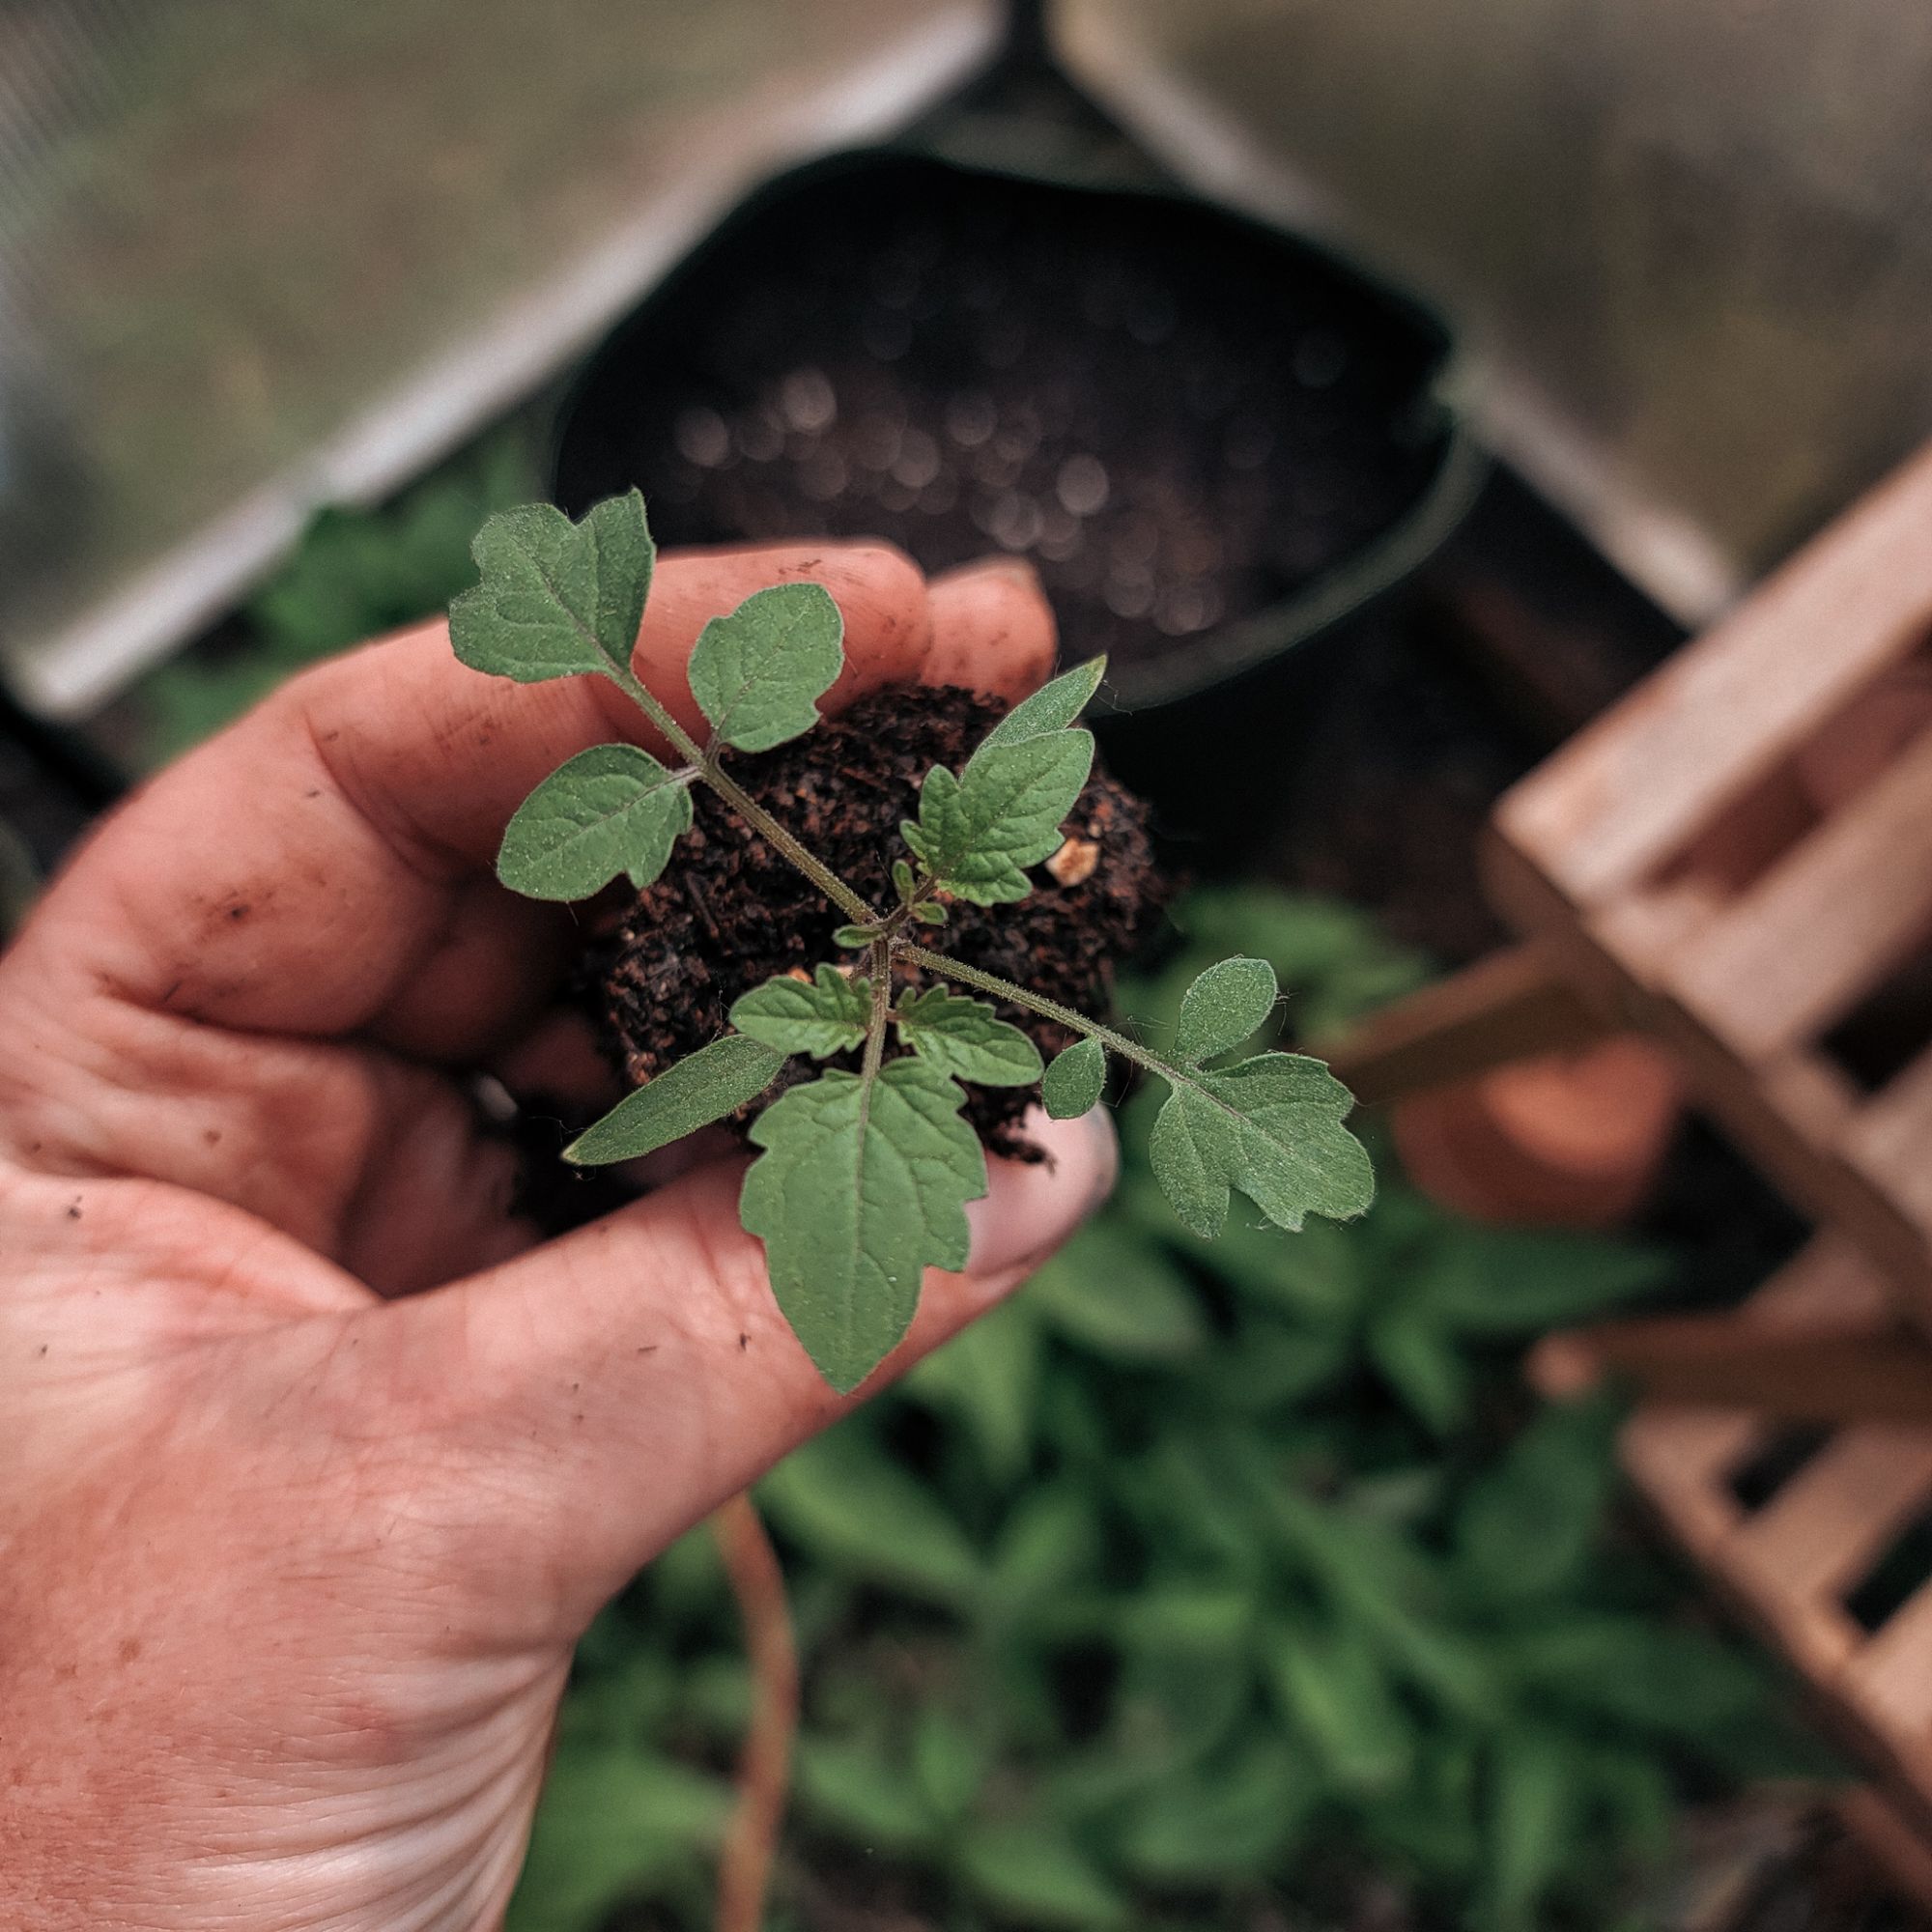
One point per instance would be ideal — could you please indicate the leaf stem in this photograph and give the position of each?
(704, 761)
(879, 964)
(1021, 996)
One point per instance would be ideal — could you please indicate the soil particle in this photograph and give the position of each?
(730, 913)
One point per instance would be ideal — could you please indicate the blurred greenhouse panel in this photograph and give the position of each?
(256, 256)
(1691, 243)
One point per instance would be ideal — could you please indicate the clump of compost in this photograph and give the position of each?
(660, 980)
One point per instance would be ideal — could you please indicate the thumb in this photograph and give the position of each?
(621, 1382)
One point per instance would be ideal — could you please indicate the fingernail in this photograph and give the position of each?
(999, 569)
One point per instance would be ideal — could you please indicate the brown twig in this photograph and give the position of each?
(764, 1770)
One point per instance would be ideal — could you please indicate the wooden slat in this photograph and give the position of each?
(1820, 1533)
(1894, 1837)
(1892, 1675)
(1627, 792)
(1892, 1141)
(1681, 1459)
(1826, 923)
(1827, 1275)
(1506, 1007)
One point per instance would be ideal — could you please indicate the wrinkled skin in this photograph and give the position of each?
(317, 1461)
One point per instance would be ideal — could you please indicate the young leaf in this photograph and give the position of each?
(825, 1017)
(557, 598)
(1270, 1127)
(854, 935)
(1051, 708)
(862, 1185)
(757, 674)
(966, 1039)
(1072, 1083)
(612, 809)
(1222, 1008)
(977, 833)
(714, 1081)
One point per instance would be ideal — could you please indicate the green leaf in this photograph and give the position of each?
(966, 1039)
(1227, 1820)
(1270, 1127)
(714, 1081)
(1521, 1281)
(1072, 1083)
(557, 599)
(854, 1509)
(862, 1185)
(1051, 1537)
(985, 1380)
(757, 674)
(1532, 1813)
(855, 935)
(1119, 1297)
(852, 1786)
(826, 1016)
(1650, 1677)
(1525, 1528)
(978, 832)
(1423, 1367)
(612, 809)
(1053, 707)
(1034, 1875)
(949, 1763)
(1331, 1684)
(1222, 1008)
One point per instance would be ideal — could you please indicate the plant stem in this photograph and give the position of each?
(879, 964)
(848, 901)
(1039, 1002)
(765, 1768)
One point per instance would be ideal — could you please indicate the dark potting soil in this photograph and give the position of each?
(730, 913)
(1180, 422)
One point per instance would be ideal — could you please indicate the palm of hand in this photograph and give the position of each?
(294, 1553)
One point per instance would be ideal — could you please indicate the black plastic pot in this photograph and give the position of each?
(1215, 441)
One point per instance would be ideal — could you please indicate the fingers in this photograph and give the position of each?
(325, 863)
(616, 1384)
(992, 629)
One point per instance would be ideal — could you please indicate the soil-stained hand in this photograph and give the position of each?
(317, 1462)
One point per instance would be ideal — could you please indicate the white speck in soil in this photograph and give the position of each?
(807, 401)
(918, 461)
(970, 419)
(703, 439)
(1082, 485)
(1015, 521)
(759, 437)
(1188, 607)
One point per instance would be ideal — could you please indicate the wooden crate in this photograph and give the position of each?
(1794, 1554)
(1683, 875)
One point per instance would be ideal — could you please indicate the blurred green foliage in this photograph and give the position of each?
(354, 575)
(1200, 1584)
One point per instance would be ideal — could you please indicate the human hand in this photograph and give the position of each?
(293, 1553)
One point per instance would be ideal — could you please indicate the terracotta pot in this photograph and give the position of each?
(1565, 1140)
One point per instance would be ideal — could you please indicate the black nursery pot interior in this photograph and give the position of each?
(1183, 418)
